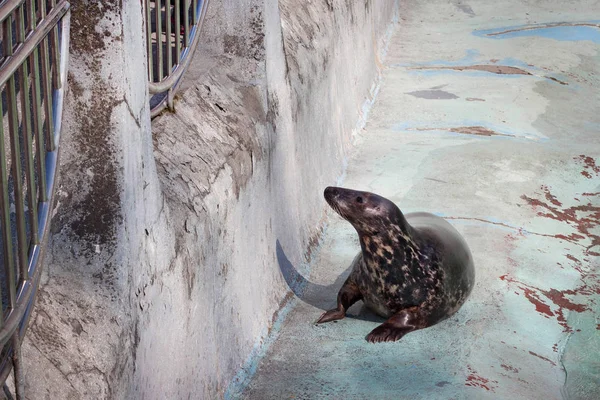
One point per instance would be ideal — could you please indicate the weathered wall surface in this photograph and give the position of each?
(80, 341)
(162, 274)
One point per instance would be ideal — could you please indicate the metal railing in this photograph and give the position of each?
(173, 30)
(34, 42)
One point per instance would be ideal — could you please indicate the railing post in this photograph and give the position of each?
(108, 189)
(32, 112)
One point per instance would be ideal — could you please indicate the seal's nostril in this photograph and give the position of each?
(331, 192)
(359, 199)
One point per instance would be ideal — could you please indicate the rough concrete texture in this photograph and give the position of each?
(161, 276)
(511, 159)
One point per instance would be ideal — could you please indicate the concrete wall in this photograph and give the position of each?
(162, 275)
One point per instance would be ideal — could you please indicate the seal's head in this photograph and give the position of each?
(370, 214)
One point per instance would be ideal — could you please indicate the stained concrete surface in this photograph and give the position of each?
(513, 163)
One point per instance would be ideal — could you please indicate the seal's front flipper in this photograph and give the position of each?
(396, 326)
(348, 295)
(331, 315)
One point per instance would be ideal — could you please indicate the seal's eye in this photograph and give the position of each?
(359, 199)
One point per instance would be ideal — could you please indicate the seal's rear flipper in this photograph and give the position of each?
(396, 326)
(348, 295)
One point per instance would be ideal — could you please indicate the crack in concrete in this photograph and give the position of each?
(561, 355)
(520, 230)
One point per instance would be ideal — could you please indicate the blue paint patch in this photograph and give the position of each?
(551, 31)
(472, 73)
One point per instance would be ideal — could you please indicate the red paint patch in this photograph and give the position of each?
(550, 197)
(558, 298)
(572, 238)
(540, 306)
(543, 299)
(475, 380)
(543, 358)
(589, 165)
(584, 218)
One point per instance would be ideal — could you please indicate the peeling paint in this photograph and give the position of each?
(589, 165)
(584, 217)
(542, 299)
(494, 69)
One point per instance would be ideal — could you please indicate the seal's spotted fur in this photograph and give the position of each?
(415, 270)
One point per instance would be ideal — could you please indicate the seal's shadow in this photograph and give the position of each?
(317, 295)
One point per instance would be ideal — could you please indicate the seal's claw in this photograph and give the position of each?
(331, 315)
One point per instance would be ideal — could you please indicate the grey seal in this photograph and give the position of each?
(415, 269)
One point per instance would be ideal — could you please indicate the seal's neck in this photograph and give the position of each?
(390, 243)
